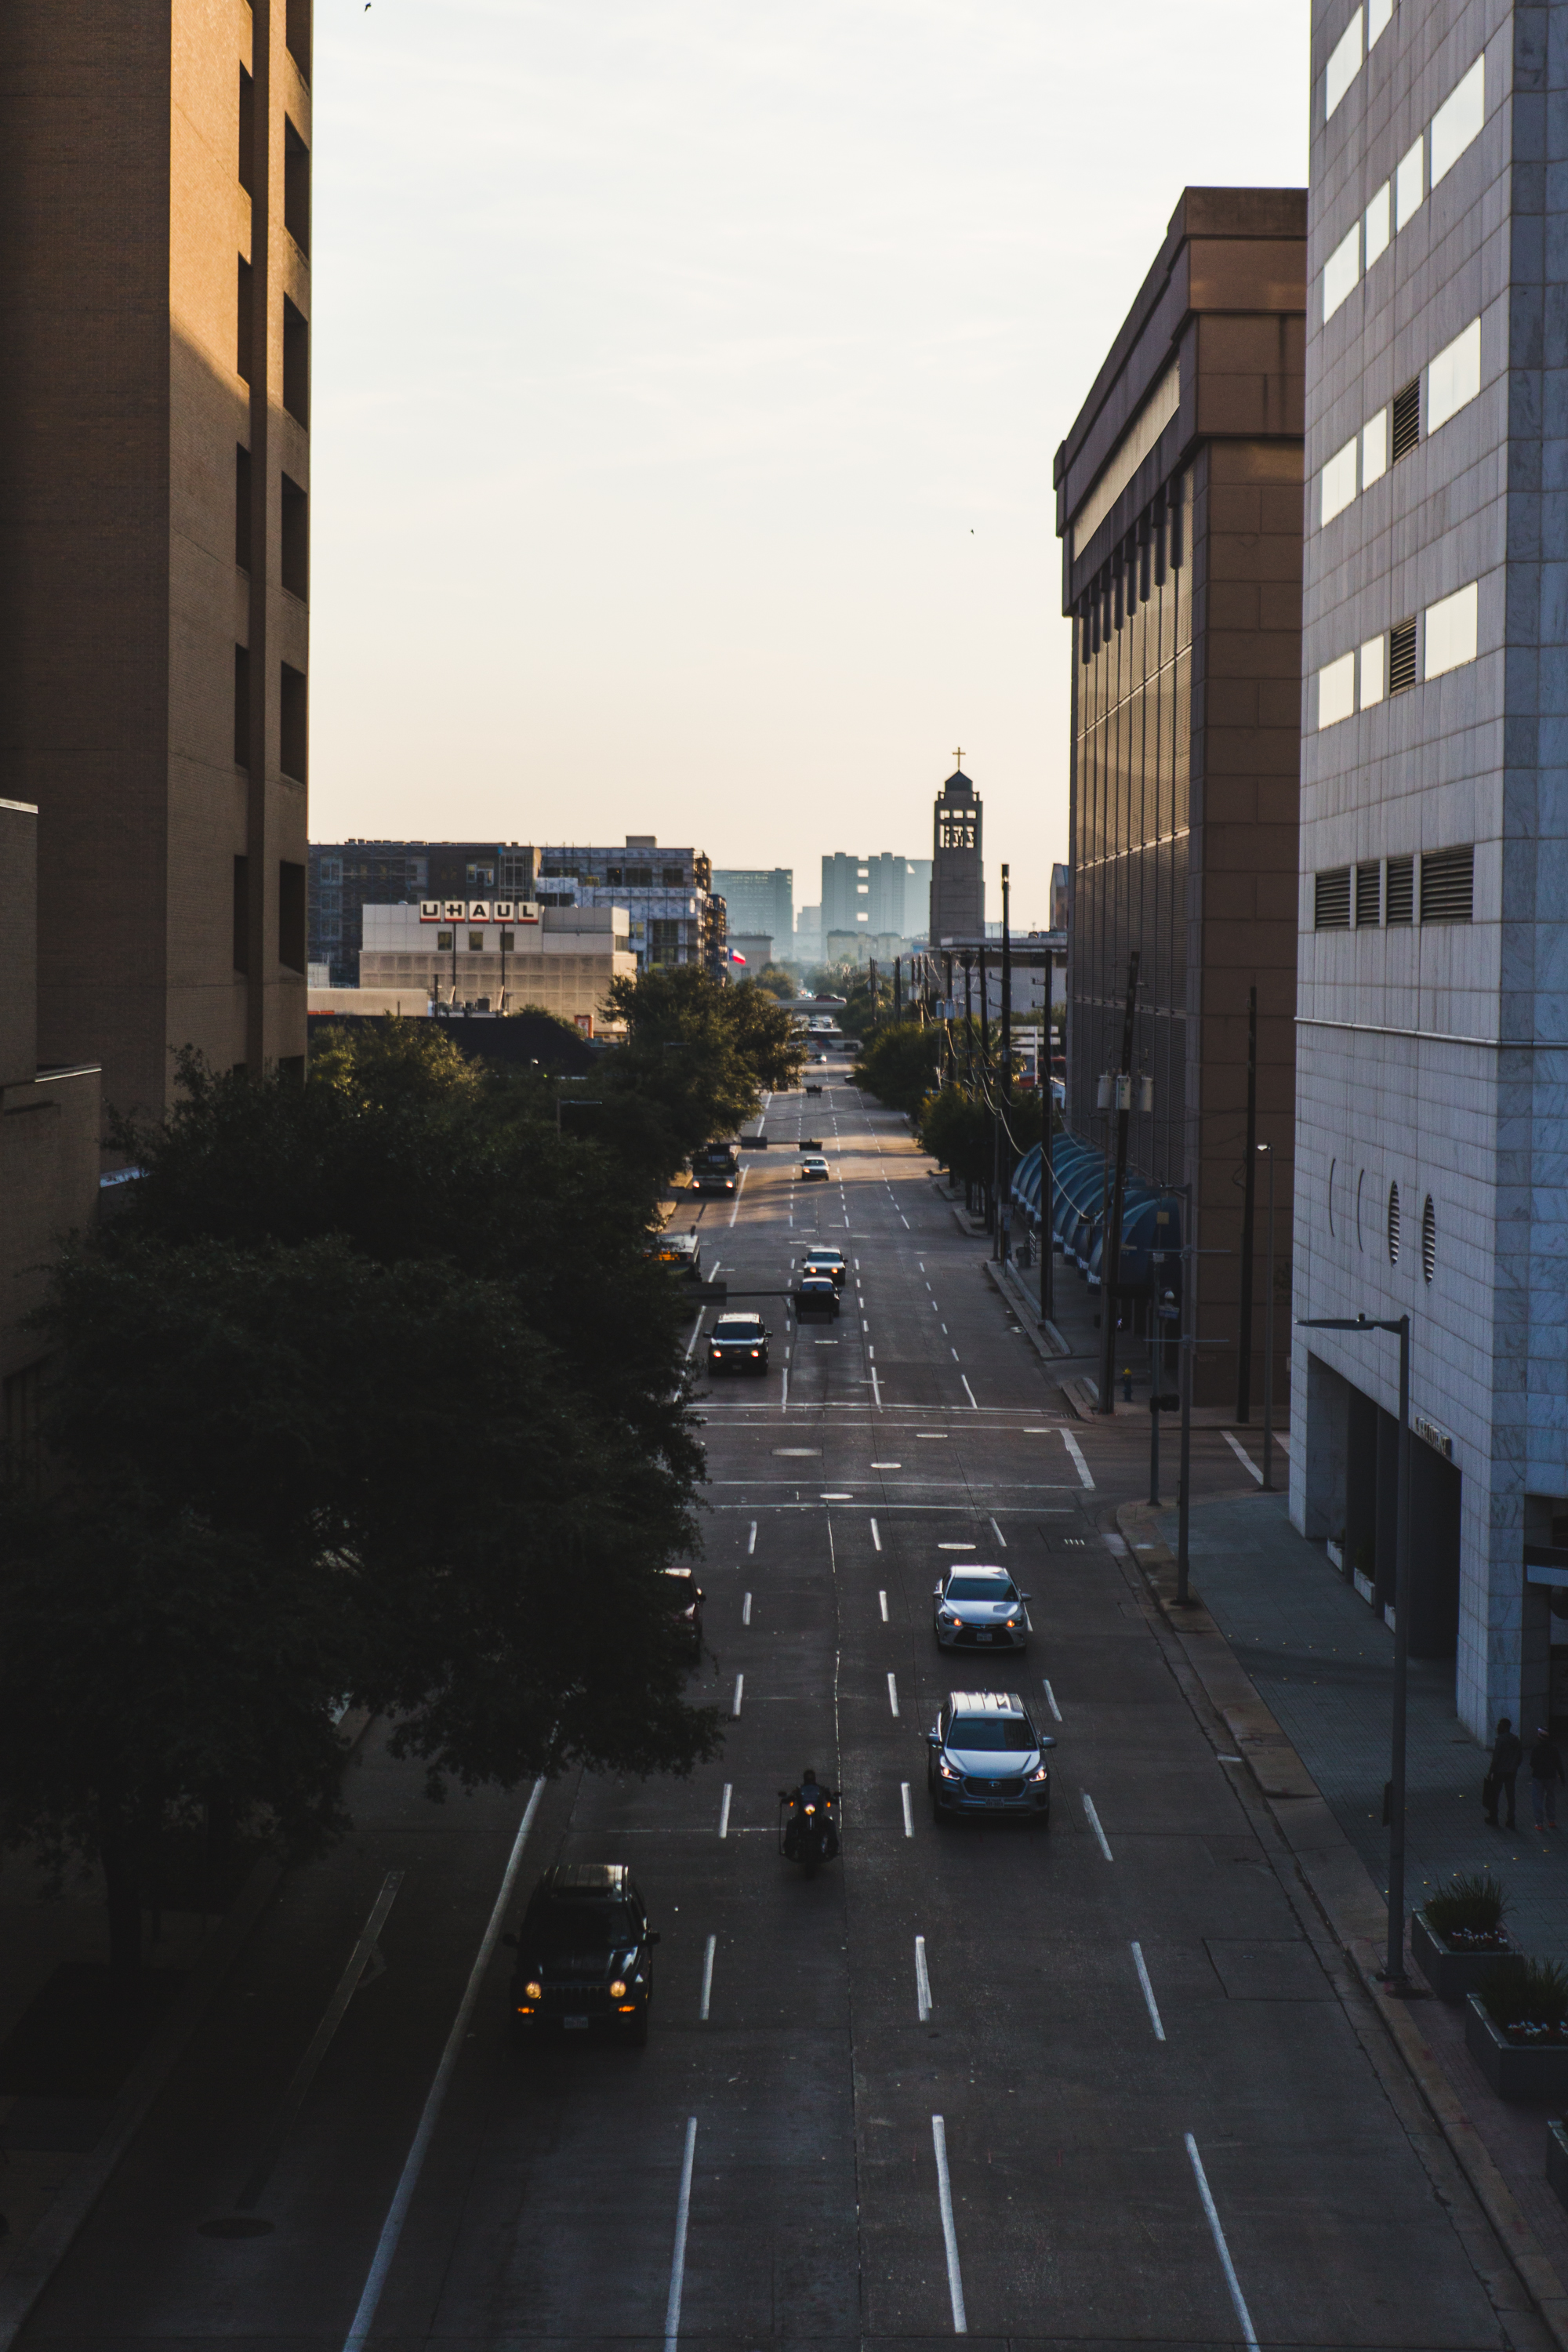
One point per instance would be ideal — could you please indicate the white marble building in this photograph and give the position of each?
(1432, 1043)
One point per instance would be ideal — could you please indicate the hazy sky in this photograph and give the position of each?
(687, 375)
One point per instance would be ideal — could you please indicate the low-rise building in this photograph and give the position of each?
(348, 875)
(674, 916)
(497, 955)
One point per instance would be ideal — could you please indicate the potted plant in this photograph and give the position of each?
(1458, 1934)
(1516, 2029)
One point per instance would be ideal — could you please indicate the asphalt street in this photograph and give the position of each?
(1097, 2085)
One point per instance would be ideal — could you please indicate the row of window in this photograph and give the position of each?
(1434, 154)
(1439, 886)
(1425, 646)
(290, 915)
(1392, 1220)
(1452, 380)
(1137, 567)
(621, 877)
(1345, 56)
(296, 166)
(293, 716)
(294, 551)
(296, 388)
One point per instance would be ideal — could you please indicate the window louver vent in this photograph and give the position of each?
(1393, 1224)
(1406, 418)
(1399, 906)
(1331, 900)
(1401, 657)
(1428, 1240)
(1368, 897)
(1448, 885)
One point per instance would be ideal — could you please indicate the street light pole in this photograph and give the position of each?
(1268, 1339)
(1394, 1975)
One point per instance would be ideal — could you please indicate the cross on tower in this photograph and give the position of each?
(958, 757)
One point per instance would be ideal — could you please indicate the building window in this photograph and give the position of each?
(242, 322)
(294, 560)
(296, 364)
(1401, 657)
(1452, 626)
(1368, 895)
(1406, 418)
(297, 34)
(1379, 219)
(245, 161)
(442, 942)
(1373, 669)
(1454, 377)
(242, 705)
(1341, 272)
(1448, 885)
(1345, 64)
(476, 942)
(1428, 1241)
(1393, 1224)
(1399, 900)
(1336, 690)
(674, 877)
(329, 870)
(482, 877)
(293, 721)
(242, 914)
(1374, 448)
(296, 186)
(664, 942)
(1331, 900)
(1458, 121)
(242, 508)
(1336, 484)
(1409, 184)
(290, 915)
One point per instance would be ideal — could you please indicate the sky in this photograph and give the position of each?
(687, 375)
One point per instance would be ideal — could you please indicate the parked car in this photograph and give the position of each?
(738, 1343)
(819, 1259)
(814, 1169)
(814, 1293)
(976, 1608)
(585, 1953)
(691, 1601)
(985, 1755)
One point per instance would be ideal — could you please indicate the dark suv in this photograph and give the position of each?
(583, 1953)
(738, 1343)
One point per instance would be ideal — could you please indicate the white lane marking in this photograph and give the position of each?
(1073, 1447)
(1238, 2302)
(1148, 1993)
(1094, 1826)
(903, 1219)
(733, 1214)
(909, 1817)
(413, 2162)
(724, 1810)
(876, 1535)
(735, 1709)
(692, 1341)
(953, 1353)
(863, 1324)
(893, 1693)
(949, 2234)
(708, 1975)
(968, 1391)
(747, 1609)
(752, 1539)
(1246, 1460)
(1051, 1699)
(998, 1534)
(876, 1387)
(783, 1406)
(922, 1981)
(882, 1604)
(682, 2215)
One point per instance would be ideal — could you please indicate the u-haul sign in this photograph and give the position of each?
(477, 910)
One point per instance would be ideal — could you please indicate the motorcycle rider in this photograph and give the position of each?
(809, 1793)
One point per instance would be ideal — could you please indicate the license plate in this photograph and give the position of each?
(983, 1637)
(575, 2025)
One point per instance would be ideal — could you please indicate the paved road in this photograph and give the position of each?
(1066, 2148)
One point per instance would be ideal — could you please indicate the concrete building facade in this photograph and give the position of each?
(497, 956)
(1179, 507)
(758, 899)
(1432, 1104)
(955, 905)
(154, 523)
(348, 875)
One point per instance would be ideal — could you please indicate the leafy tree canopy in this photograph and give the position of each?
(900, 1065)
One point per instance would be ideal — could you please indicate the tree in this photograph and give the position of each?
(900, 1065)
(701, 1050)
(779, 981)
(959, 1132)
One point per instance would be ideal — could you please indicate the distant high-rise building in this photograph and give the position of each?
(760, 900)
(881, 895)
(154, 525)
(1061, 896)
(957, 896)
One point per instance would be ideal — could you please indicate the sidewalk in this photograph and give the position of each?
(1321, 1662)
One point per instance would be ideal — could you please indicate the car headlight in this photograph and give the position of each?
(948, 1616)
(535, 1990)
(1041, 1772)
(809, 1810)
(1012, 1621)
(618, 1989)
(756, 1351)
(948, 1771)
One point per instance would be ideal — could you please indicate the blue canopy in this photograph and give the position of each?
(1150, 1217)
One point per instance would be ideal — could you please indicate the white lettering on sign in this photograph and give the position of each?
(1433, 1435)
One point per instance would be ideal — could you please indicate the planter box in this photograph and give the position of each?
(1336, 1555)
(1365, 1586)
(1557, 2159)
(1513, 2072)
(1452, 1975)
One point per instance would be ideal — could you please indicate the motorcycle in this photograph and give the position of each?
(808, 1825)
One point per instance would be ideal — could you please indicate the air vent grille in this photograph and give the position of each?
(1368, 897)
(1406, 418)
(1399, 904)
(1331, 900)
(1393, 1224)
(1401, 657)
(1428, 1240)
(1448, 885)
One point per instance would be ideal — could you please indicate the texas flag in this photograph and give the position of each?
(736, 957)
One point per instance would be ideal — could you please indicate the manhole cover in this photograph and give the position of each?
(236, 2225)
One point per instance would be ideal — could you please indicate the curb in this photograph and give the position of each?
(1342, 1891)
(1041, 1334)
(44, 2250)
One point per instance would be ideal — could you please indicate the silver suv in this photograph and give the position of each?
(986, 1757)
(976, 1608)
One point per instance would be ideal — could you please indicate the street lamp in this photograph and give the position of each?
(1394, 1975)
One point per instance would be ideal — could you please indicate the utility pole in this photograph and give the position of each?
(897, 988)
(1249, 1206)
(1111, 1247)
(1047, 1197)
(968, 963)
(1004, 1161)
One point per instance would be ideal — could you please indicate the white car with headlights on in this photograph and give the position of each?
(976, 1608)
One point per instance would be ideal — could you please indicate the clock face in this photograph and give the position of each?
(955, 832)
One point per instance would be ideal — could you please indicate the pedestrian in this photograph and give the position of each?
(1546, 1771)
(1508, 1755)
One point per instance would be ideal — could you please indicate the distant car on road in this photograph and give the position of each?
(813, 1170)
(683, 1250)
(816, 1294)
(819, 1259)
(977, 1608)
(986, 1757)
(738, 1343)
(691, 1601)
(585, 1953)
